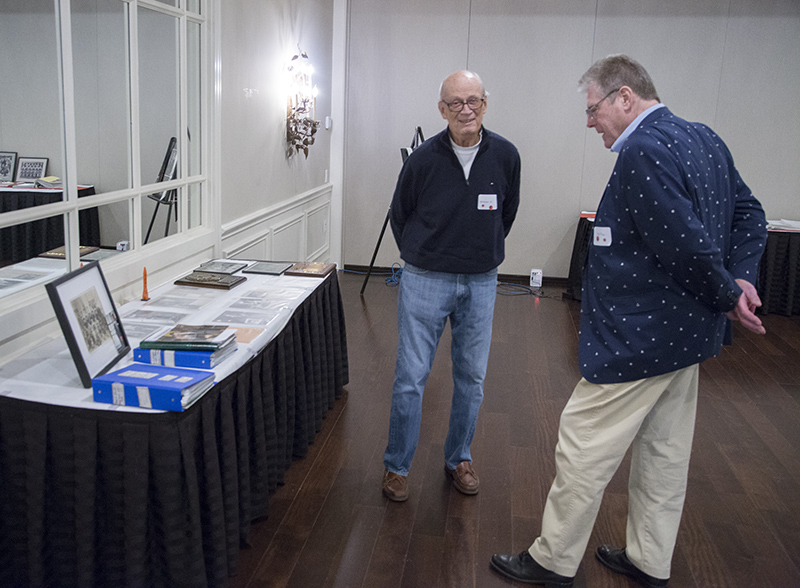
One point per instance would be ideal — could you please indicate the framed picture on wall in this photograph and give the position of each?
(8, 162)
(89, 321)
(31, 168)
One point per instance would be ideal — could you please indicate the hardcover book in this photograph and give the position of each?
(190, 338)
(152, 386)
(316, 269)
(184, 358)
(210, 280)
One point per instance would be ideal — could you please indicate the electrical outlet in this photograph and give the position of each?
(536, 278)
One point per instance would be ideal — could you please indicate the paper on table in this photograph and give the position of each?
(783, 225)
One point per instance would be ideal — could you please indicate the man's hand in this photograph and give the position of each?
(744, 311)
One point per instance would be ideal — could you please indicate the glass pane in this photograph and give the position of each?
(169, 2)
(195, 205)
(20, 241)
(160, 215)
(158, 113)
(102, 106)
(193, 6)
(193, 92)
(30, 86)
(158, 90)
(30, 239)
(114, 226)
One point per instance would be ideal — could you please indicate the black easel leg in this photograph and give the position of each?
(173, 205)
(152, 220)
(375, 253)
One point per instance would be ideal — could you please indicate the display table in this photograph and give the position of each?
(779, 273)
(130, 497)
(580, 251)
(28, 240)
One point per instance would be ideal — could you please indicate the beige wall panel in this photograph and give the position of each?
(731, 65)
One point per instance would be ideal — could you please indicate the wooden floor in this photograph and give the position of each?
(330, 526)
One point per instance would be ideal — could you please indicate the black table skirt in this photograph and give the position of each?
(580, 251)
(107, 498)
(778, 275)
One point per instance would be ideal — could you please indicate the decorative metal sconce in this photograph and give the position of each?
(300, 123)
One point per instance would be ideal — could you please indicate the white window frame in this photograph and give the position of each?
(28, 311)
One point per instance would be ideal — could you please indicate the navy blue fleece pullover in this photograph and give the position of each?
(435, 214)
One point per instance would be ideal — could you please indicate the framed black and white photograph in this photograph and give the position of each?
(8, 162)
(89, 321)
(31, 168)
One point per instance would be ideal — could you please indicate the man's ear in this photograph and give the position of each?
(627, 96)
(443, 109)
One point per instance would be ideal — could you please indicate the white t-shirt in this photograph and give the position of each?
(466, 155)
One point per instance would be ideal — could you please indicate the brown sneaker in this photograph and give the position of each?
(395, 487)
(464, 478)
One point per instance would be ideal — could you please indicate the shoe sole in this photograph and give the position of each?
(394, 498)
(625, 572)
(502, 572)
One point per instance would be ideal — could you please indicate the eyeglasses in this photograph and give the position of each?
(590, 112)
(458, 105)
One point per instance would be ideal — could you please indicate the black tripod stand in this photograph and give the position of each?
(404, 152)
(168, 199)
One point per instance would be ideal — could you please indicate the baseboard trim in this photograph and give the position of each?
(549, 282)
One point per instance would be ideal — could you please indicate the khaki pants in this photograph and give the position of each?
(598, 424)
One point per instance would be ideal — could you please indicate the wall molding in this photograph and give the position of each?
(260, 232)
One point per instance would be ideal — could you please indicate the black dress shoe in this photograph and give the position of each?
(523, 568)
(617, 560)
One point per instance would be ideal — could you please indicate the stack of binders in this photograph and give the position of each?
(164, 383)
(194, 346)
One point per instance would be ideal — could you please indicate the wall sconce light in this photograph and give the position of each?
(301, 103)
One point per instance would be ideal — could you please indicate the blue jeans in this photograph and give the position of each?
(426, 300)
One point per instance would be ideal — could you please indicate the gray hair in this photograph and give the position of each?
(619, 70)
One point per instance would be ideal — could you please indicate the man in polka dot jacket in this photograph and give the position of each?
(675, 250)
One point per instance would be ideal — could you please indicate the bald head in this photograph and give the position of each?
(457, 78)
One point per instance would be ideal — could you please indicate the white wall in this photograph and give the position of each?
(31, 102)
(732, 65)
(258, 38)
(273, 207)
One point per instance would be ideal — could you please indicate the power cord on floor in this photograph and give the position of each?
(511, 289)
(393, 276)
(397, 273)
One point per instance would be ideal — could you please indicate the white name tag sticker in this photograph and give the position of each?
(487, 201)
(602, 236)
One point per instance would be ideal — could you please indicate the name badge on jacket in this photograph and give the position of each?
(602, 236)
(487, 201)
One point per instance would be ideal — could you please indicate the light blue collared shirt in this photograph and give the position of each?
(617, 146)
